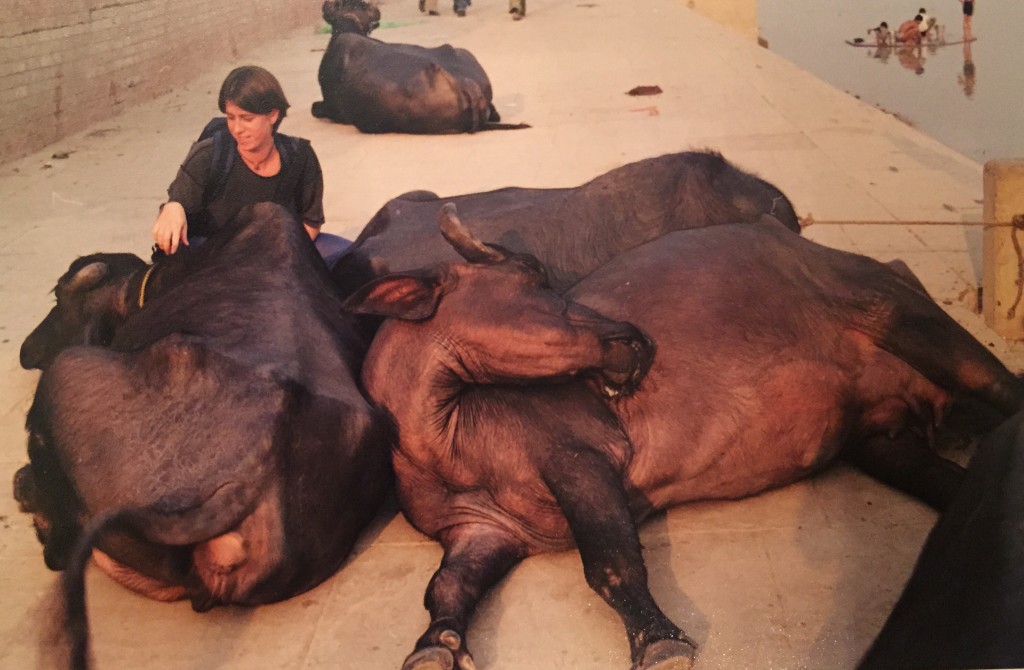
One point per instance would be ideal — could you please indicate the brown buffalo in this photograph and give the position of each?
(774, 356)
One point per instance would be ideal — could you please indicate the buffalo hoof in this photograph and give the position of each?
(667, 655)
(431, 658)
(442, 657)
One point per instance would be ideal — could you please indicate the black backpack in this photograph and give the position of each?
(225, 153)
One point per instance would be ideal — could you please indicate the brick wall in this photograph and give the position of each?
(65, 64)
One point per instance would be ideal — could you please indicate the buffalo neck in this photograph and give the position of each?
(417, 384)
(348, 24)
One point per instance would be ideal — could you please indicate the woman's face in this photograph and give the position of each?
(251, 131)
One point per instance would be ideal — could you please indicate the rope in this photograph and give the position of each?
(142, 288)
(808, 221)
(1017, 223)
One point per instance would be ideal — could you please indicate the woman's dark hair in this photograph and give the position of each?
(255, 90)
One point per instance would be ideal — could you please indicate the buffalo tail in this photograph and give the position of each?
(73, 620)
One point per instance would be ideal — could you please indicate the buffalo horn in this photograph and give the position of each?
(470, 248)
(88, 276)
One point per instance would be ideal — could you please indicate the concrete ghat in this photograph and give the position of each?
(798, 578)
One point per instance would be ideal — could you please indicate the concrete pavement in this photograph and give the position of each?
(797, 578)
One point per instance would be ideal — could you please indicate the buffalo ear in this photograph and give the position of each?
(87, 277)
(407, 296)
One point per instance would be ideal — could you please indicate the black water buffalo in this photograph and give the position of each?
(963, 606)
(774, 356)
(398, 88)
(574, 230)
(217, 447)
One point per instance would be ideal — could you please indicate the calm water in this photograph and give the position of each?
(980, 114)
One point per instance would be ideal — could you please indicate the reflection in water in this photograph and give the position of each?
(882, 53)
(912, 58)
(966, 80)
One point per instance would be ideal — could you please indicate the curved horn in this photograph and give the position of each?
(462, 240)
(88, 276)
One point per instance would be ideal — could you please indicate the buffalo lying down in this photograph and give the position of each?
(964, 604)
(574, 230)
(775, 356)
(219, 448)
(398, 88)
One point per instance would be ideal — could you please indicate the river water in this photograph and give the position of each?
(969, 97)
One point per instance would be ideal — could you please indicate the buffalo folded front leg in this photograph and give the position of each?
(907, 463)
(589, 490)
(476, 556)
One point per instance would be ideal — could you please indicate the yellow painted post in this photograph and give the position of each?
(1003, 250)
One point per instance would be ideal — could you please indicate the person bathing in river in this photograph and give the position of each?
(882, 34)
(927, 26)
(909, 31)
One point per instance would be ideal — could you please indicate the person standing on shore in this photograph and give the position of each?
(968, 7)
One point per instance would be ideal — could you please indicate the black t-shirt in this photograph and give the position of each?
(298, 186)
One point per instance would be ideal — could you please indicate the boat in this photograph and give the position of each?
(926, 43)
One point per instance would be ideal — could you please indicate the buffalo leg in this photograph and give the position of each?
(907, 463)
(475, 558)
(590, 493)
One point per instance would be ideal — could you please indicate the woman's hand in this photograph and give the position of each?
(171, 227)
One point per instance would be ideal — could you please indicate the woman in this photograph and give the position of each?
(244, 160)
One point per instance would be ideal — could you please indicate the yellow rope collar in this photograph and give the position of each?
(142, 289)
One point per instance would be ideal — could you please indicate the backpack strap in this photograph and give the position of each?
(222, 160)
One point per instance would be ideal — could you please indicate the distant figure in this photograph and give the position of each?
(882, 34)
(430, 7)
(909, 31)
(966, 80)
(968, 6)
(517, 8)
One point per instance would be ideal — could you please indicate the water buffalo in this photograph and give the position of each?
(574, 230)
(398, 88)
(963, 606)
(774, 356)
(216, 447)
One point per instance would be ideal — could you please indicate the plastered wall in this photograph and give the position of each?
(65, 64)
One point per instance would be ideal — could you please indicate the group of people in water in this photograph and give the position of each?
(920, 28)
(923, 30)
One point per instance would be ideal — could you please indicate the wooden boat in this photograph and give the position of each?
(926, 43)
